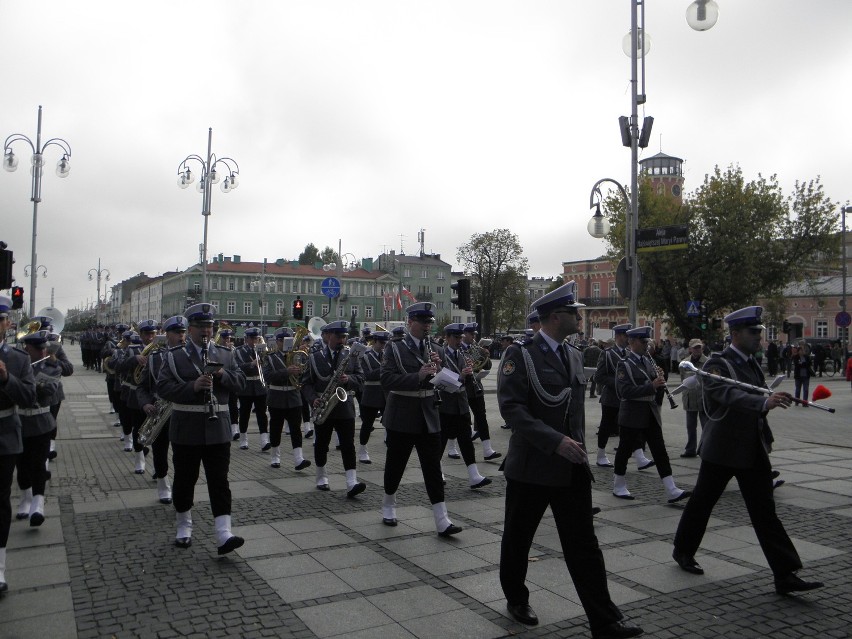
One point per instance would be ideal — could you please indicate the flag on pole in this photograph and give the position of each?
(398, 302)
(408, 294)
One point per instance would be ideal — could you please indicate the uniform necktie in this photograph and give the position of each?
(422, 350)
(564, 357)
(334, 359)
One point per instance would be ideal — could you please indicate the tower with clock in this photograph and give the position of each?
(665, 173)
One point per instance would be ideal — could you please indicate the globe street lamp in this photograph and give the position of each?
(209, 177)
(97, 273)
(40, 267)
(63, 167)
(599, 226)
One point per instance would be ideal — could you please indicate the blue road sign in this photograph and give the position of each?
(843, 319)
(330, 287)
(693, 308)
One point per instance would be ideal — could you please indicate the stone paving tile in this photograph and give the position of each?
(667, 578)
(447, 562)
(411, 603)
(264, 546)
(550, 608)
(320, 539)
(461, 624)
(485, 586)
(279, 567)
(342, 617)
(338, 558)
(374, 576)
(321, 584)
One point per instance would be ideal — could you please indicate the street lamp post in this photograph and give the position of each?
(843, 211)
(40, 267)
(599, 226)
(263, 287)
(63, 167)
(209, 177)
(346, 262)
(97, 273)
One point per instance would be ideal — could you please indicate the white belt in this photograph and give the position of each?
(253, 379)
(195, 408)
(130, 386)
(372, 383)
(282, 388)
(32, 412)
(417, 393)
(7, 412)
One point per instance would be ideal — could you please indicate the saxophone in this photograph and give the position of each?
(333, 393)
(153, 424)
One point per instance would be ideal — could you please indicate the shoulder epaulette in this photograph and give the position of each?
(523, 341)
(174, 348)
(576, 348)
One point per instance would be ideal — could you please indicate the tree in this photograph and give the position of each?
(329, 256)
(746, 240)
(310, 255)
(495, 262)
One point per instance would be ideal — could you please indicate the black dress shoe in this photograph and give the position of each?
(648, 465)
(630, 497)
(232, 544)
(777, 483)
(3, 587)
(686, 494)
(165, 500)
(303, 464)
(450, 530)
(183, 542)
(357, 489)
(794, 583)
(775, 474)
(51, 455)
(494, 455)
(389, 521)
(309, 434)
(688, 455)
(266, 447)
(617, 630)
(275, 465)
(485, 481)
(37, 519)
(687, 563)
(323, 487)
(235, 437)
(606, 465)
(474, 437)
(523, 613)
(595, 510)
(365, 461)
(453, 455)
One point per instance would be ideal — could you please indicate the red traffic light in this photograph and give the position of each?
(298, 309)
(17, 296)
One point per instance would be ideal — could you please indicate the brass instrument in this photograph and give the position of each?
(106, 364)
(219, 340)
(297, 356)
(209, 399)
(156, 344)
(661, 374)
(29, 329)
(427, 347)
(153, 424)
(261, 350)
(334, 393)
(479, 355)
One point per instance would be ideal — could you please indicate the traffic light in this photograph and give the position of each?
(17, 296)
(298, 309)
(462, 290)
(6, 262)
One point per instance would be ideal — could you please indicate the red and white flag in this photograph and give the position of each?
(398, 302)
(408, 294)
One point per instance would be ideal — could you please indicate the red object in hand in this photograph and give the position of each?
(820, 392)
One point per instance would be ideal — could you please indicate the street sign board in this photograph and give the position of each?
(662, 238)
(330, 287)
(843, 319)
(693, 308)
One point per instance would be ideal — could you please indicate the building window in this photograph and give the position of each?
(294, 286)
(232, 307)
(215, 305)
(311, 285)
(196, 287)
(843, 333)
(771, 333)
(406, 272)
(368, 312)
(353, 310)
(247, 308)
(424, 273)
(324, 310)
(596, 290)
(456, 319)
(279, 307)
(439, 290)
(441, 275)
(440, 305)
(264, 307)
(232, 285)
(822, 329)
(341, 310)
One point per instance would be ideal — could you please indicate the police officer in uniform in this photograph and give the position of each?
(476, 396)
(37, 422)
(605, 378)
(254, 394)
(322, 366)
(735, 442)
(17, 390)
(372, 398)
(134, 360)
(411, 416)
(638, 385)
(541, 392)
(197, 378)
(284, 399)
(226, 338)
(113, 387)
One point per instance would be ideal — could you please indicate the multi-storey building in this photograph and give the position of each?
(426, 278)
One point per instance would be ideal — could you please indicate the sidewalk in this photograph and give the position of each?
(318, 565)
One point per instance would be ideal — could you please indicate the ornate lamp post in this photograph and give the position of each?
(97, 273)
(209, 177)
(63, 167)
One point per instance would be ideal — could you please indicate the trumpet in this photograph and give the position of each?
(661, 374)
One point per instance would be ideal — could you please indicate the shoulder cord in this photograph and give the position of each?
(543, 395)
(733, 375)
(629, 371)
(317, 374)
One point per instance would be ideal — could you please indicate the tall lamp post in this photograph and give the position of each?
(599, 226)
(63, 167)
(97, 273)
(843, 211)
(701, 15)
(209, 177)
(346, 263)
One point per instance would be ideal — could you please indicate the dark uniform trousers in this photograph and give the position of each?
(480, 418)
(187, 461)
(368, 418)
(259, 404)
(345, 429)
(30, 463)
(277, 417)
(458, 427)
(428, 447)
(233, 408)
(7, 470)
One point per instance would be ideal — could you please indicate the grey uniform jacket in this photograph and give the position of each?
(542, 403)
(410, 406)
(246, 357)
(633, 383)
(189, 425)
(318, 375)
(146, 392)
(67, 369)
(126, 370)
(605, 375)
(19, 389)
(280, 392)
(36, 418)
(454, 403)
(373, 396)
(737, 431)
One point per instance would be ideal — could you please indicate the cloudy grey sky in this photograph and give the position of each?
(368, 120)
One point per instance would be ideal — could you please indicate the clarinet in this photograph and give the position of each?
(211, 407)
(427, 346)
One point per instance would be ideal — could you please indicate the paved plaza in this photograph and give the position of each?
(317, 564)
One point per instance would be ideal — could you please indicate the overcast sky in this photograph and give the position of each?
(368, 120)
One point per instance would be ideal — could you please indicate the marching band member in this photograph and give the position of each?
(609, 401)
(307, 427)
(112, 383)
(226, 339)
(17, 390)
(197, 378)
(65, 366)
(476, 396)
(120, 354)
(637, 384)
(254, 395)
(127, 369)
(284, 399)
(373, 398)
(736, 443)
(541, 393)
(454, 411)
(37, 422)
(322, 366)
(411, 415)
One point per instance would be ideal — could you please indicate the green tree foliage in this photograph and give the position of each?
(498, 269)
(329, 256)
(746, 240)
(310, 255)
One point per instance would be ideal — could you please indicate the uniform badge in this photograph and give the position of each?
(716, 371)
(508, 367)
(621, 375)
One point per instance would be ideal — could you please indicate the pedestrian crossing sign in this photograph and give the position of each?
(692, 308)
